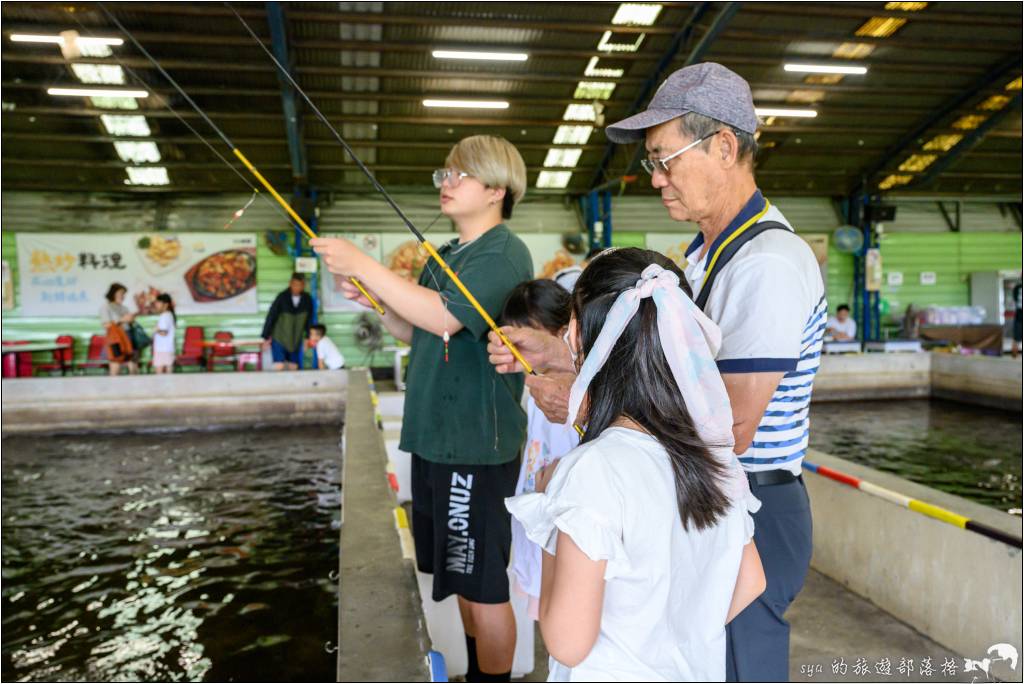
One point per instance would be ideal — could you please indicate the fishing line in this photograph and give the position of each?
(167, 105)
(387, 197)
(234, 149)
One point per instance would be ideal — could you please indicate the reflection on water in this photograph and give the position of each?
(171, 557)
(969, 451)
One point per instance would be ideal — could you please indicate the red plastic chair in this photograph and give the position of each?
(192, 352)
(63, 359)
(15, 363)
(94, 357)
(18, 365)
(223, 352)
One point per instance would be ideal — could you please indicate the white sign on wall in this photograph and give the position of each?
(927, 277)
(68, 274)
(306, 264)
(894, 278)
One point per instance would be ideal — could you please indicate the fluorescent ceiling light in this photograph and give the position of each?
(580, 112)
(563, 158)
(880, 27)
(110, 74)
(97, 92)
(853, 50)
(943, 142)
(147, 175)
(605, 44)
(893, 180)
(116, 124)
(114, 102)
(593, 90)
(825, 69)
(636, 14)
(467, 104)
(58, 40)
(593, 71)
(137, 152)
(918, 162)
(553, 179)
(485, 56)
(573, 135)
(776, 111)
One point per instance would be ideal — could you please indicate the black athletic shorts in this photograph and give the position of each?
(462, 530)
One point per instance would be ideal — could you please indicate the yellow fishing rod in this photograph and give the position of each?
(431, 250)
(234, 149)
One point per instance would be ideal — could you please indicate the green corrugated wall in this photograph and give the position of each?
(273, 273)
(952, 256)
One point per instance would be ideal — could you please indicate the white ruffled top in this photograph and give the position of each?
(667, 590)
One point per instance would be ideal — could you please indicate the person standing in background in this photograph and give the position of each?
(287, 324)
(119, 347)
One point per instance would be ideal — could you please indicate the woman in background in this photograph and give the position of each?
(117, 321)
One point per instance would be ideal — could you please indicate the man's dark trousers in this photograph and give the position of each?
(757, 640)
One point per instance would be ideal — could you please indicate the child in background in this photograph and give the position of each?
(646, 526)
(544, 305)
(328, 357)
(163, 336)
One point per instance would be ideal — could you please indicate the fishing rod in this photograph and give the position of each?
(234, 149)
(387, 198)
(167, 105)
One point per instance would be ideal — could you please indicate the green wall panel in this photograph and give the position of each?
(951, 256)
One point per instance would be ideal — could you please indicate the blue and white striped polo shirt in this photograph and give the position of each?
(769, 302)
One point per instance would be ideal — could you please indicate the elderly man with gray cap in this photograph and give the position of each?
(761, 284)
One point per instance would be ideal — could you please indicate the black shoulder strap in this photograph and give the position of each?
(729, 252)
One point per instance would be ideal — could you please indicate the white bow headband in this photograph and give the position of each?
(689, 340)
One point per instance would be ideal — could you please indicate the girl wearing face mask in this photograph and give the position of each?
(462, 422)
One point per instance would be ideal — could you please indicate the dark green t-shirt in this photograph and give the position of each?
(463, 412)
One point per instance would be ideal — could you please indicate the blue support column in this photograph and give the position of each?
(314, 284)
(865, 303)
(593, 216)
(292, 117)
(606, 216)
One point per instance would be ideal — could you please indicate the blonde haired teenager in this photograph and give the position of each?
(462, 421)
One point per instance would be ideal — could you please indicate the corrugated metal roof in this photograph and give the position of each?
(368, 65)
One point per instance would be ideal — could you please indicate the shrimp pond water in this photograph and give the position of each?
(970, 451)
(172, 556)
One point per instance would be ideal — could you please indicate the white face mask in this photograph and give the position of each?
(572, 354)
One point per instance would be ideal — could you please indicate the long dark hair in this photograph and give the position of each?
(636, 382)
(540, 302)
(166, 299)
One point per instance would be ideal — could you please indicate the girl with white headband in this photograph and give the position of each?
(646, 525)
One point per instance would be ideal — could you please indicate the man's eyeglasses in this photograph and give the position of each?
(652, 165)
(451, 175)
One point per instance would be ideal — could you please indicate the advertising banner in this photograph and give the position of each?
(68, 274)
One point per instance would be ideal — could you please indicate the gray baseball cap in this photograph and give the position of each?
(708, 88)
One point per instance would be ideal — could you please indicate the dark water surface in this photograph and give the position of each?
(188, 556)
(966, 450)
